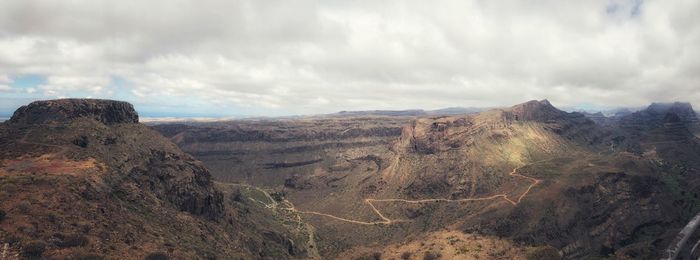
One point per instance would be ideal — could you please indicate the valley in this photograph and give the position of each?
(82, 178)
(350, 130)
(529, 174)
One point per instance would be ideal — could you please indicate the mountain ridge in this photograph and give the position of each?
(86, 169)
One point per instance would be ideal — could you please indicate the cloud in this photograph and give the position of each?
(5, 88)
(278, 57)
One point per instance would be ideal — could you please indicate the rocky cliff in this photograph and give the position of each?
(534, 110)
(105, 111)
(86, 168)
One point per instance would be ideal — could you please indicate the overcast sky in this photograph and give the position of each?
(259, 57)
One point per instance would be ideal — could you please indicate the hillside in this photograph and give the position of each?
(530, 175)
(82, 178)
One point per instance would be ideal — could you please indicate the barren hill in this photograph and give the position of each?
(82, 178)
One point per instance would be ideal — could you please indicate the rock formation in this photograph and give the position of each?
(61, 110)
(87, 168)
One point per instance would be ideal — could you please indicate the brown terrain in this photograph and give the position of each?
(524, 180)
(84, 179)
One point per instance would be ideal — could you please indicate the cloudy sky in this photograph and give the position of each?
(260, 57)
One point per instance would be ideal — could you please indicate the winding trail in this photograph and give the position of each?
(387, 221)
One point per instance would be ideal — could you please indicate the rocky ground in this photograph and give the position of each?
(83, 179)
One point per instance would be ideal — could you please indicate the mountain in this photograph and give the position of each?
(660, 113)
(410, 112)
(597, 117)
(414, 112)
(81, 178)
(528, 178)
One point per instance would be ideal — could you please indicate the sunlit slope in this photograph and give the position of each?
(472, 155)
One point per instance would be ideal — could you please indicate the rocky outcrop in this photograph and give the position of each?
(540, 111)
(182, 181)
(92, 172)
(149, 159)
(60, 110)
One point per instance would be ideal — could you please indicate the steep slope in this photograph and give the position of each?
(473, 154)
(84, 178)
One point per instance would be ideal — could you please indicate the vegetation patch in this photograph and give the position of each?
(431, 255)
(157, 256)
(70, 240)
(33, 249)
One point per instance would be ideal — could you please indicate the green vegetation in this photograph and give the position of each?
(237, 196)
(430, 255)
(71, 240)
(255, 194)
(33, 249)
(9, 188)
(371, 256)
(85, 255)
(674, 183)
(543, 253)
(157, 256)
(23, 207)
(278, 195)
(468, 248)
(52, 217)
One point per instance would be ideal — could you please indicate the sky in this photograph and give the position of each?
(280, 57)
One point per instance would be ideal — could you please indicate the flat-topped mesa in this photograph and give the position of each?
(59, 110)
(534, 111)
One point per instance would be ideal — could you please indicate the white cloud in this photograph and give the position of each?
(5, 88)
(5, 79)
(324, 56)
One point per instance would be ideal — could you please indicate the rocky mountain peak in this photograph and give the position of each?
(683, 110)
(535, 111)
(658, 114)
(59, 110)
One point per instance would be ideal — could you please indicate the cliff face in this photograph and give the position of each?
(93, 171)
(259, 145)
(105, 111)
(102, 128)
